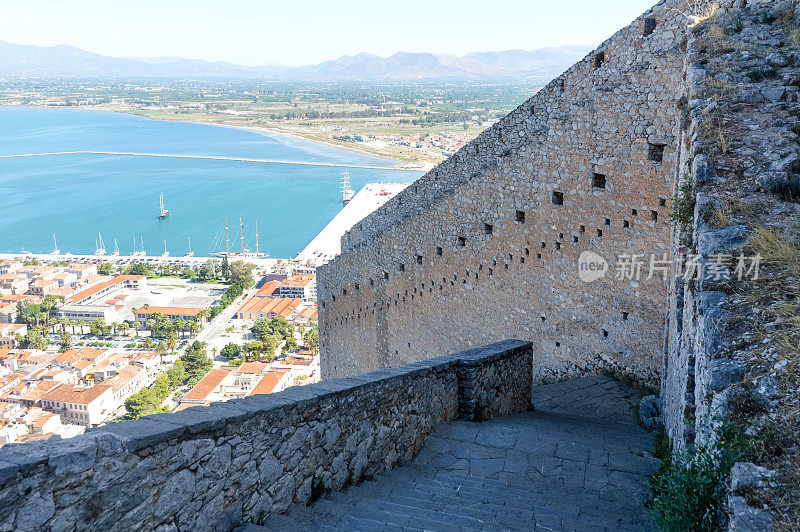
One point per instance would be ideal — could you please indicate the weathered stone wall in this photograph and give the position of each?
(485, 246)
(213, 468)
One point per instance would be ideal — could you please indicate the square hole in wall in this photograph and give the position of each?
(561, 235)
(538, 255)
(419, 259)
(626, 224)
(505, 265)
(522, 260)
(558, 245)
(598, 180)
(654, 215)
(662, 202)
(544, 245)
(371, 282)
(491, 271)
(649, 26)
(599, 59)
(605, 333)
(599, 232)
(655, 152)
(558, 344)
(344, 291)
(462, 241)
(527, 252)
(558, 198)
(583, 229)
(401, 267)
(439, 250)
(488, 228)
(574, 239)
(358, 288)
(625, 316)
(634, 212)
(386, 275)
(607, 221)
(519, 216)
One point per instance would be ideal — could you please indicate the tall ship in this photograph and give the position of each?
(55, 250)
(162, 212)
(243, 253)
(100, 248)
(347, 190)
(189, 253)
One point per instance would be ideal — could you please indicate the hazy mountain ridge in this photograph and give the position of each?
(68, 61)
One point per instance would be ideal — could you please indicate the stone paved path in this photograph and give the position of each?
(578, 462)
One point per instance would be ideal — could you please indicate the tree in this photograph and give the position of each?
(207, 271)
(161, 386)
(161, 349)
(176, 374)
(195, 361)
(253, 350)
(98, 327)
(180, 325)
(270, 343)
(172, 343)
(137, 268)
(36, 338)
(148, 344)
(311, 339)
(231, 351)
(225, 268)
(291, 344)
(142, 403)
(241, 273)
(66, 343)
(105, 268)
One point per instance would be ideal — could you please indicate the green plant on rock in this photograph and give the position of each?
(689, 490)
(683, 203)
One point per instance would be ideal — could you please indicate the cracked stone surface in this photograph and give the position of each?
(579, 461)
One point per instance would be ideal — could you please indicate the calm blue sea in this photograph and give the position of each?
(76, 197)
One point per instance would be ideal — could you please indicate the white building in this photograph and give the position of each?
(81, 406)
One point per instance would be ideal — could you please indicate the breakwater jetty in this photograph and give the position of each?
(405, 168)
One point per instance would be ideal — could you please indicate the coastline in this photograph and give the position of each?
(427, 166)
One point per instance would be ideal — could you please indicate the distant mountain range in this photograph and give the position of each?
(68, 61)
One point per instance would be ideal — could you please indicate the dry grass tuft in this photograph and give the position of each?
(777, 250)
(699, 10)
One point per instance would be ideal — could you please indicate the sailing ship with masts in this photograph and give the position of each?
(100, 248)
(162, 212)
(55, 250)
(244, 252)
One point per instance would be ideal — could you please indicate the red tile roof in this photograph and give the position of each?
(206, 385)
(268, 383)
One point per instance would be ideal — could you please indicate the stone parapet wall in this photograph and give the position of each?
(213, 468)
(486, 245)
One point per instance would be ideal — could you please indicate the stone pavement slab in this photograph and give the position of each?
(578, 461)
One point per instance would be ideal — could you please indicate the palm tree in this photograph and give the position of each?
(180, 325)
(172, 343)
(161, 349)
(194, 326)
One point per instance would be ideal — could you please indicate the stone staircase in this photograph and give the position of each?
(578, 462)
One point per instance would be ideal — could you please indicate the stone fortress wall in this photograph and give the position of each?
(486, 245)
(216, 467)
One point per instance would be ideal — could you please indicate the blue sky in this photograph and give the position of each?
(295, 32)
